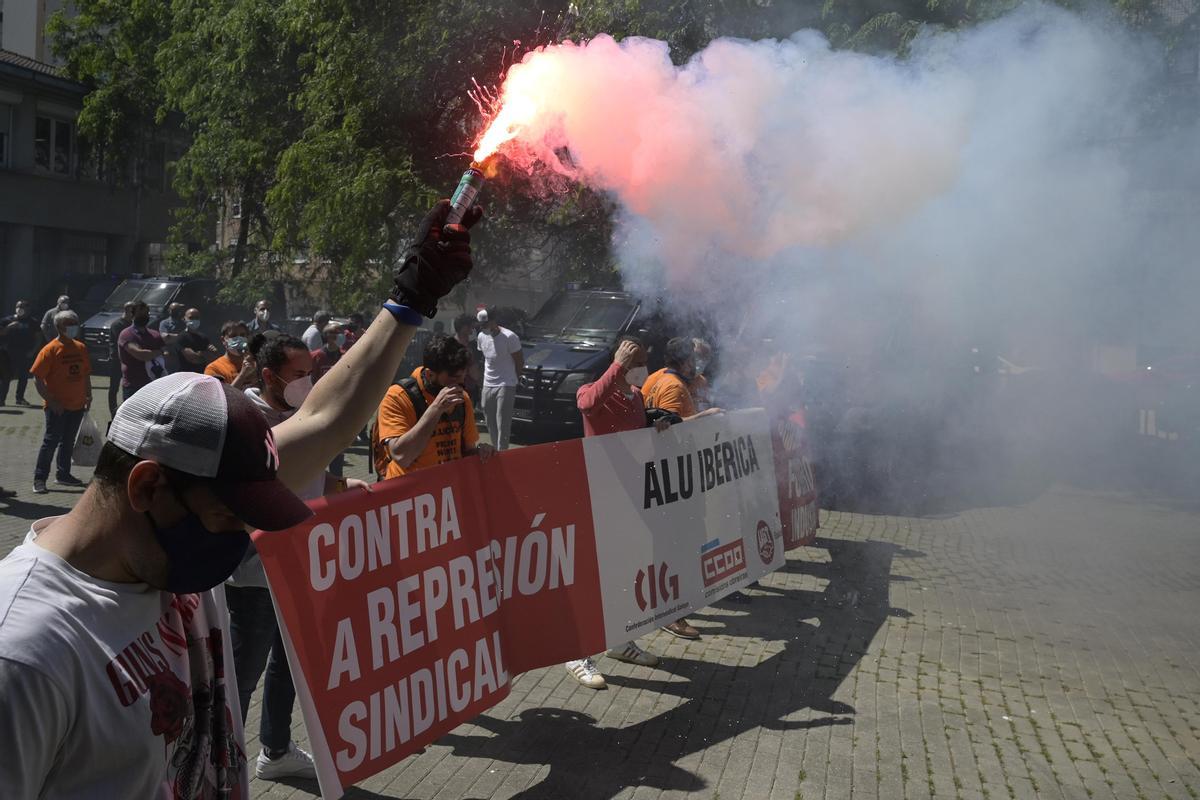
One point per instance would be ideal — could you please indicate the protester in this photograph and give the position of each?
(115, 328)
(62, 376)
(669, 389)
(464, 332)
(700, 386)
(262, 318)
(49, 332)
(140, 349)
(285, 369)
(137, 702)
(328, 354)
(427, 419)
(193, 349)
(236, 367)
(354, 329)
(19, 333)
(313, 335)
(172, 327)
(503, 361)
(610, 404)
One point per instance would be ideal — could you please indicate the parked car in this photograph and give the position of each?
(158, 292)
(567, 344)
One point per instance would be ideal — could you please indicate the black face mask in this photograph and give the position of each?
(197, 558)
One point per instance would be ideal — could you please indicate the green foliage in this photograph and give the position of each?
(337, 122)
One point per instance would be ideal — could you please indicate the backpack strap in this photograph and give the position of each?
(413, 390)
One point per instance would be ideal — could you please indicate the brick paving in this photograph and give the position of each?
(1046, 648)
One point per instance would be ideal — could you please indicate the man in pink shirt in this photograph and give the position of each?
(610, 404)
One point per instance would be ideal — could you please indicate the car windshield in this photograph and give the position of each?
(152, 294)
(592, 313)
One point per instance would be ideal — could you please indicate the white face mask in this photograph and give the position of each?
(264, 314)
(637, 376)
(64, 305)
(295, 391)
(72, 331)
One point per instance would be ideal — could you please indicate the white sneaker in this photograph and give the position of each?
(632, 654)
(586, 673)
(295, 763)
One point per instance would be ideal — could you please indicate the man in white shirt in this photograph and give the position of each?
(314, 335)
(116, 673)
(502, 363)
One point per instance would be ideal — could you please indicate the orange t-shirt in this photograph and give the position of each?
(450, 438)
(223, 368)
(666, 390)
(64, 368)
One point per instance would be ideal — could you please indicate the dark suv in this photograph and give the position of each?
(158, 292)
(567, 344)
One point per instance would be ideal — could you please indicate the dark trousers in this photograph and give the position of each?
(60, 435)
(20, 374)
(258, 645)
(114, 385)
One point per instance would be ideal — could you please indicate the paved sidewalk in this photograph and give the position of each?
(1047, 649)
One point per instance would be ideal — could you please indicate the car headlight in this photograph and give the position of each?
(573, 382)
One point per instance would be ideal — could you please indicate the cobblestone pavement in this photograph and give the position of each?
(1042, 649)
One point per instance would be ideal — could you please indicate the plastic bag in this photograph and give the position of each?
(87, 443)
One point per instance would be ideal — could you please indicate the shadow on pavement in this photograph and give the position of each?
(823, 637)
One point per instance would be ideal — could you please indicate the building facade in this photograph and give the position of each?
(61, 227)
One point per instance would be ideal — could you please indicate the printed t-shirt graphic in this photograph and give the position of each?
(113, 689)
(451, 436)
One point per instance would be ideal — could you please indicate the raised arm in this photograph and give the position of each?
(344, 399)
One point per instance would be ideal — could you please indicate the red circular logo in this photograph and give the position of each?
(766, 542)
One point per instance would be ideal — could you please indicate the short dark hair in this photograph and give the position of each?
(232, 325)
(322, 317)
(114, 465)
(463, 321)
(140, 304)
(626, 337)
(445, 354)
(272, 348)
(679, 350)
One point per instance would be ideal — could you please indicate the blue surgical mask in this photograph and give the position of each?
(72, 331)
(701, 365)
(197, 558)
(236, 344)
(341, 340)
(193, 324)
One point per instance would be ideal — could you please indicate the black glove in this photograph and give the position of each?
(653, 415)
(437, 261)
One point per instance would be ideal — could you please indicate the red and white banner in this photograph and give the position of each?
(407, 610)
(798, 511)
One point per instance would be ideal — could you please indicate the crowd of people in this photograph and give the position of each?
(209, 440)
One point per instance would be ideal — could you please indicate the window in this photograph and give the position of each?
(5, 133)
(54, 145)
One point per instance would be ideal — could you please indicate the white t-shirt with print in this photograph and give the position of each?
(113, 689)
(498, 366)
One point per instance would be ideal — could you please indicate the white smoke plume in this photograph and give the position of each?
(998, 185)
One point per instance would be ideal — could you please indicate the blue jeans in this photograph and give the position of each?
(60, 435)
(257, 645)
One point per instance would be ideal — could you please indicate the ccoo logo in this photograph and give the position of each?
(661, 586)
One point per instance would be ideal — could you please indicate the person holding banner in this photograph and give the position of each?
(671, 390)
(428, 419)
(285, 368)
(610, 404)
(115, 674)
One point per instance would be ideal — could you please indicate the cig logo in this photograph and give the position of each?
(661, 586)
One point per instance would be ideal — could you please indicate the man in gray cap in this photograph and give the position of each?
(115, 666)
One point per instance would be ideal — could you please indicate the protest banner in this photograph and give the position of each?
(798, 511)
(407, 610)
